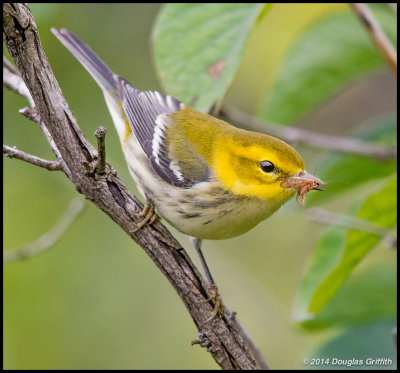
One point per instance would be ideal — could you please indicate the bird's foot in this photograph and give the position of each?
(148, 214)
(216, 298)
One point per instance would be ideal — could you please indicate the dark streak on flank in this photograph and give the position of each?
(188, 216)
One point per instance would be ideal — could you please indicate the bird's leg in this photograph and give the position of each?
(148, 214)
(214, 295)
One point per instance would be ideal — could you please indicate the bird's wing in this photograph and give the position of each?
(149, 115)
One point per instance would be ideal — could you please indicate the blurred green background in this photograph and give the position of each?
(95, 300)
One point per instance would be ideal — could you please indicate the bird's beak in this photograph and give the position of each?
(303, 182)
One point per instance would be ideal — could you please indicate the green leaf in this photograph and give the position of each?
(366, 297)
(327, 55)
(326, 255)
(199, 47)
(336, 254)
(379, 208)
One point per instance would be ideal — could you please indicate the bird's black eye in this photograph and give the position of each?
(267, 166)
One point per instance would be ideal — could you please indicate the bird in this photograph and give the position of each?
(207, 178)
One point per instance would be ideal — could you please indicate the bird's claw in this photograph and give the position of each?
(219, 307)
(148, 214)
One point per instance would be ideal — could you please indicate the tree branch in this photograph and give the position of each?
(375, 32)
(13, 152)
(225, 343)
(49, 239)
(296, 134)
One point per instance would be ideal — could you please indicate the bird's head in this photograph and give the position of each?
(257, 165)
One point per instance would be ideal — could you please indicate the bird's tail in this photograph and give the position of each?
(103, 76)
(100, 72)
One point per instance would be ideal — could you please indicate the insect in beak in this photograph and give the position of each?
(303, 182)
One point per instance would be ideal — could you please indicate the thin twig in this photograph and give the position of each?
(13, 152)
(49, 239)
(12, 80)
(319, 215)
(101, 149)
(375, 32)
(33, 115)
(9, 66)
(296, 134)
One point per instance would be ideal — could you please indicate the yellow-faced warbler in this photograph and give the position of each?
(207, 178)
